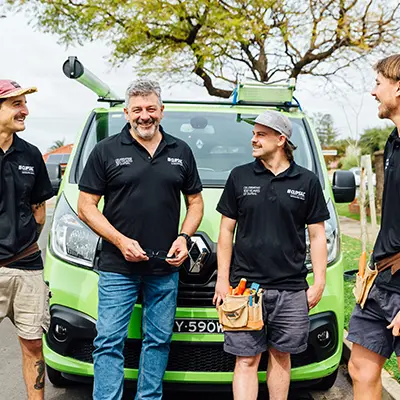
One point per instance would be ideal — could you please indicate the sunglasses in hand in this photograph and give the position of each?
(158, 255)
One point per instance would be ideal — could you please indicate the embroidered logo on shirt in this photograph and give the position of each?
(175, 161)
(296, 194)
(251, 190)
(26, 169)
(123, 161)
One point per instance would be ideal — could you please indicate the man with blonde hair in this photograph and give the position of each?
(374, 329)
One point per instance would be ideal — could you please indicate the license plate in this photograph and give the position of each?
(187, 325)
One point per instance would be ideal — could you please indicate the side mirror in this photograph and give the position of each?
(343, 186)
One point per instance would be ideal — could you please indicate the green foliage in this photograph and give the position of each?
(343, 210)
(325, 128)
(349, 301)
(349, 161)
(57, 144)
(351, 249)
(220, 40)
(342, 145)
(374, 139)
(391, 365)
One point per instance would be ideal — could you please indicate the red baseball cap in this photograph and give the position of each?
(12, 89)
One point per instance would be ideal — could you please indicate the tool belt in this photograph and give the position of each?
(241, 313)
(32, 249)
(365, 281)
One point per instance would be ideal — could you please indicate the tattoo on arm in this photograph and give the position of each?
(39, 212)
(38, 205)
(39, 385)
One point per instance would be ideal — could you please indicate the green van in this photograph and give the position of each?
(219, 134)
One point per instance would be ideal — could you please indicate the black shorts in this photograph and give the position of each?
(286, 329)
(368, 325)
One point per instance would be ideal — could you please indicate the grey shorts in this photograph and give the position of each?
(24, 298)
(368, 325)
(286, 329)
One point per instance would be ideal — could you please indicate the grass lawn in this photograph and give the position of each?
(351, 253)
(343, 209)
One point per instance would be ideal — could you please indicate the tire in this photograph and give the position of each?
(327, 382)
(56, 378)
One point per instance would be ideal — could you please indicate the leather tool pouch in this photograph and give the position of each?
(236, 313)
(364, 283)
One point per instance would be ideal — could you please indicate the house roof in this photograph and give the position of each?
(67, 149)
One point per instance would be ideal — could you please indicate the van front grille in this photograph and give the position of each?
(190, 357)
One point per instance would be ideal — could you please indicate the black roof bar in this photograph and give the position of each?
(114, 102)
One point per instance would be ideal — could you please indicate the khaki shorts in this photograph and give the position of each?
(24, 298)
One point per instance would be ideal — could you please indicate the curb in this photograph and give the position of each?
(390, 387)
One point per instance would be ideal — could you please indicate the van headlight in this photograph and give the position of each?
(332, 238)
(70, 239)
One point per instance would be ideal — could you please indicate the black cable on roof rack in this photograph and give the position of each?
(112, 102)
(278, 105)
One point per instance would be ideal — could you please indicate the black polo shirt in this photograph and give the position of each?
(272, 213)
(141, 195)
(388, 241)
(23, 181)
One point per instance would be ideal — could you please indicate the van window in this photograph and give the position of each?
(219, 141)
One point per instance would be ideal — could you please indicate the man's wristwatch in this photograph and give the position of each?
(188, 240)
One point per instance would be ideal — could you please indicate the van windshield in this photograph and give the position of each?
(219, 141)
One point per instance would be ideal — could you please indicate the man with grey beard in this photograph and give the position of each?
(141, 172)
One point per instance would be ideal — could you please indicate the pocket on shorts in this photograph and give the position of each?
(46, 310)
(306, 300)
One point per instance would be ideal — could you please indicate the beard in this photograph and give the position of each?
(385, 111)
(146, 133)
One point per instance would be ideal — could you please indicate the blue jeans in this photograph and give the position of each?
(117, 296)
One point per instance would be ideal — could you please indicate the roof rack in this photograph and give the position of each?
(286, 105)
(248, 93)
(265, 92)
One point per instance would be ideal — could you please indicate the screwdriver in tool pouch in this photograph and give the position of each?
(239, 289)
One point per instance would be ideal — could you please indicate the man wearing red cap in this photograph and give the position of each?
(24, 188)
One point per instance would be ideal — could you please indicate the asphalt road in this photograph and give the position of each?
(12, 385)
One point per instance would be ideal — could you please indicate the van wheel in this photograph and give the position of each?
(327, 382)
(56, 378)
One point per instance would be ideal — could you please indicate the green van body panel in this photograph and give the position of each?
(75, 287)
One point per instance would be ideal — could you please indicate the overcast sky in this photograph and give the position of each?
(60, 107)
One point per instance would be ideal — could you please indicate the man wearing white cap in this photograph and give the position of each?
(269, 202)
(24, 188)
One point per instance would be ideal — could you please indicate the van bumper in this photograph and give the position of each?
(194, 358)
